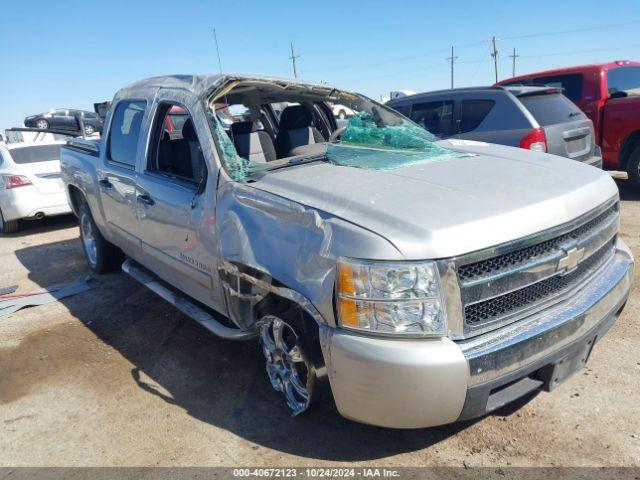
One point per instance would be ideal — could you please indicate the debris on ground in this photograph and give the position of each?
(11, 303)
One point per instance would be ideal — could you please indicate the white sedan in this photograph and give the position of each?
(30, 183)
(341, 112)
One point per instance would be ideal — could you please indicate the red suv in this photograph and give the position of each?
(609, 94)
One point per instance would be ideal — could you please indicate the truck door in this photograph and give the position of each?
(175, 202)
(117, 176)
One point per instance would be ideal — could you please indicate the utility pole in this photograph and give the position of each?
(514, 56)
(452, 59)
(293, 61)
(495, 57)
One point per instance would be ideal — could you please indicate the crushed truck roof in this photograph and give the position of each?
(204, 83)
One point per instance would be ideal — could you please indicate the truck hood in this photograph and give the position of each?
(443, 208)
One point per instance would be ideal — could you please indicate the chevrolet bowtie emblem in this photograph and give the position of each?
(570, 260)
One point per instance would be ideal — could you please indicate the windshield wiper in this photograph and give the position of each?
(303, 160)
(292, 163)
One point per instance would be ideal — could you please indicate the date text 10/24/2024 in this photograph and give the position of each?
(316, 472)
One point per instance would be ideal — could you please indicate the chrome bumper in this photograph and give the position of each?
(497, 353)
(408, 383)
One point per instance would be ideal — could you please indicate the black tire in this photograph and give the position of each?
(42, 124)
(89, 129)
(633, 168)
(7, 226)
(102, 256)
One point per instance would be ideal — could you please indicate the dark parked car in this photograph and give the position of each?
(534, 118)
(66, 119)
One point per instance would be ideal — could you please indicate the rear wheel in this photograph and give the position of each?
(7, 226)
(633, 168)
(102, 256)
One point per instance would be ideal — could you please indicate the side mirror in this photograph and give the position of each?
(619, 94)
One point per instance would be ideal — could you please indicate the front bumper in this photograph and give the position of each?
(402, 383)
(26, 202)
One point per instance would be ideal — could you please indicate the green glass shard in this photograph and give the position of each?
(366, 145)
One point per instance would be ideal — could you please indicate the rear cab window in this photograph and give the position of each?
(39, 153)
(624, 80)
(125, 132)
(570, 84)
(176, 153)
(551, 108)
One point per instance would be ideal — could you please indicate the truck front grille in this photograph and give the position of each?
(504, 284)
(511, 302)
(528, 254)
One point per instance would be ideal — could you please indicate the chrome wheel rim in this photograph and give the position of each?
(88, 129)
(42, 124)
(88, 240)
(287, 368)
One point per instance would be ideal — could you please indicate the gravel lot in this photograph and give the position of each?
(115, 376)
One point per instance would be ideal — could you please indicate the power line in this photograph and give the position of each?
(576, 52)
(576, 30)
(484, 59)
(383, 62)
(352, 66)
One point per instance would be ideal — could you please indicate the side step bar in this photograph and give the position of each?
(185, 305)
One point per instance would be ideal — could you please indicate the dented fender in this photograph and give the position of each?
(283, 247)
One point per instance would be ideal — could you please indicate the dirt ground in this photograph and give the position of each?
(115, 376)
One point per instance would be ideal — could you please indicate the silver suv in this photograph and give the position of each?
(418, 282)
(534, 118)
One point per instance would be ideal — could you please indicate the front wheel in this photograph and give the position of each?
(7, 226)
(633, 168)
(342, 114)
(42, 124)
(89, 129)
(291, 367)
(102, 256)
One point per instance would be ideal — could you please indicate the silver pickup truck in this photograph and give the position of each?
(415, 282)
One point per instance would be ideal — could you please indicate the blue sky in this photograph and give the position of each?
(74, 53)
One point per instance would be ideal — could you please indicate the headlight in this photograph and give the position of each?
(400, 298)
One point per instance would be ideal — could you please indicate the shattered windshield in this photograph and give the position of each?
(262, 126)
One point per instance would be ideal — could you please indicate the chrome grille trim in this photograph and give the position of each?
(491, 268)
(512, 272)
(520, 301)
(537, 269)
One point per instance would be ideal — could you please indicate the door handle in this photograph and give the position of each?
(146, 199)
(105, 183)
